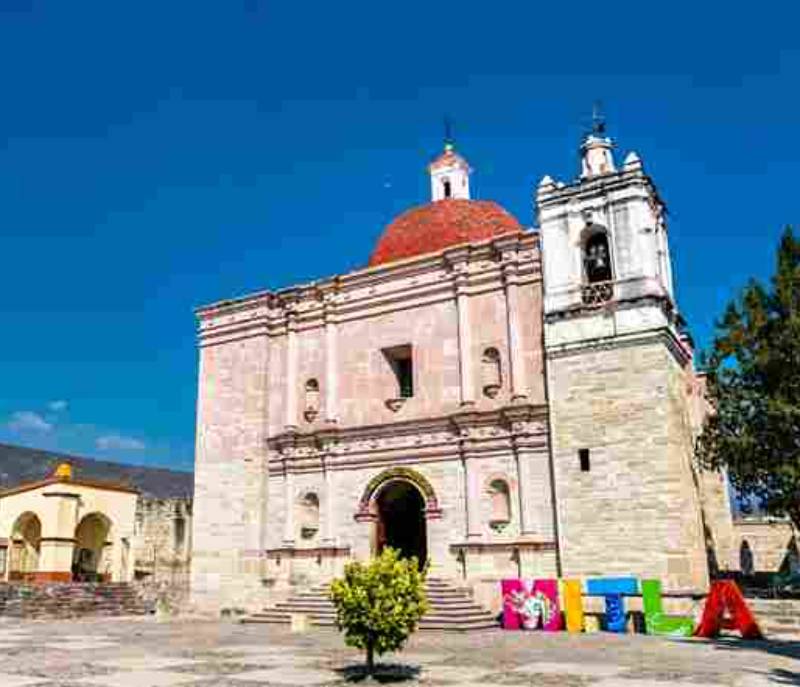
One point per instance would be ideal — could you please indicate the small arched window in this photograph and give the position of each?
(491, 372)
(309, 516)
(500, 499)
(597, 258)
(311, 409)
(448, 189)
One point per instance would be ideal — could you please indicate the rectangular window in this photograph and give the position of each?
(583, 456)
(3, 553)
(400, 360)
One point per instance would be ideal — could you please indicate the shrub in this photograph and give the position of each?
(379, 603)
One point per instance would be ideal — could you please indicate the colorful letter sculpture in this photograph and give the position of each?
(547, 593)
(515, 597)
(656, 621)
(573, 605)
(534, 604)
(531, 605)
(613, 589)
(726, 609)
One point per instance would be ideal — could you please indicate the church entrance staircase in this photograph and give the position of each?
(451, 608)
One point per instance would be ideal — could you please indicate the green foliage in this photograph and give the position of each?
(378, 604)
(754, 388)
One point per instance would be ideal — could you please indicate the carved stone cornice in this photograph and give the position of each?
(499, 546)
(445, 437)
(580, 309)
(665, 335)
(587, 189)
(383, 289)
(317, 552)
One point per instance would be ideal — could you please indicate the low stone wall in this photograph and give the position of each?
(163, 598)
(767, 543)
(70, 600)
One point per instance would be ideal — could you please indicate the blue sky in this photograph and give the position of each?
(156, 156)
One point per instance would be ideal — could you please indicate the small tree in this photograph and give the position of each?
(754, 389)
(378, 604)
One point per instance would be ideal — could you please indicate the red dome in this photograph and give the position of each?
(432, 227)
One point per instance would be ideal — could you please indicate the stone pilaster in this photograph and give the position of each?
(516, 361)
(288, 516)
(471, 475)
(459, 265)
(331, 375)
(291, 371)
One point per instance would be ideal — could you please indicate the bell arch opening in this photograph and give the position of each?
(88, 559)
(401, 520)
(597, 264)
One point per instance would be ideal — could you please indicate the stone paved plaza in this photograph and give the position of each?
(147, 653)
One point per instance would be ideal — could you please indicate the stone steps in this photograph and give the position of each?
(451, 609)
(70, 600)
(781, 616)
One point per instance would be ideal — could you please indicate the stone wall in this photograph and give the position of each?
(636, 510)
(770, 542)
(229, 494)
(162, 545)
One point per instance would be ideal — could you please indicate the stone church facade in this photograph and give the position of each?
(495, 400)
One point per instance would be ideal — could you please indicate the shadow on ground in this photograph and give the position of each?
(779, 676)
(384, 672)
(776, 647)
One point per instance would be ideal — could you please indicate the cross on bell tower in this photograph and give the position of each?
(596, 156)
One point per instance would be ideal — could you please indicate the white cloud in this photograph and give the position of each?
(118, 443)
(28, 421)
(57, 406)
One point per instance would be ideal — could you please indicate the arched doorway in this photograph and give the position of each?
(401, 520)
(26, 537)
(91, 535)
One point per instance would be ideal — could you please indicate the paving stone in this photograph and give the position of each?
(79, 646)
(289, 676)
(638, 682)
(9, 680)
(457, 674)
(214, 654)
(141, 678)
(583, 669)
(146, 662)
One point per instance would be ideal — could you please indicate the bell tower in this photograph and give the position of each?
(618, 367)
(449, 172)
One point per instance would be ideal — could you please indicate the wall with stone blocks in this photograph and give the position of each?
(229, 492)
(770, 542)
(636, 510)
(162, 543)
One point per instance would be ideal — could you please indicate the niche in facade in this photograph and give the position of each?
(491, 372)
(500, 502)
(311, 409)
(309, 516)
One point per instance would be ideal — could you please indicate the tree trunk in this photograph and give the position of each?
(794, 516)
(370, 658)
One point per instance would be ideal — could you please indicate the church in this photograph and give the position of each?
(496, 400)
